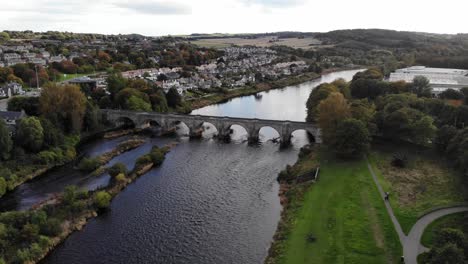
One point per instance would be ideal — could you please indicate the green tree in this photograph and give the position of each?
(332, 111)
(4, 36)
(6, 144)
(3, 186)
(318, 94)
(137, 104)
(352, 139)
(421, 86)
(102, 199)
(30, 134)
(53, 136)
(30, 105)
(443, 137)
(159, 102)
(173, 98)
(118, 168)
(115, 83)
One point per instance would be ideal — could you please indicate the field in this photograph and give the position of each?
(305, 43)
(427, 183)
(66, 77)
(344, 213)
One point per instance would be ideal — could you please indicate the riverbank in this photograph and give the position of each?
(31, 166)
(57, 219)
(338, 219)
(217, 98)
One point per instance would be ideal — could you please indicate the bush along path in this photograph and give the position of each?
(28, 236)
(411, 243)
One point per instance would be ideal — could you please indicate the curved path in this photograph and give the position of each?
(412, 242)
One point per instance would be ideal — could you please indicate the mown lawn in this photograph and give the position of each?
(345, 214)
(457, 221)
(66, 77)
(427, 183)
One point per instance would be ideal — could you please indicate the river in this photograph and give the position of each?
(210, 202)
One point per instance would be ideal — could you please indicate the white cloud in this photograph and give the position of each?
(156, 7)
(161, 17)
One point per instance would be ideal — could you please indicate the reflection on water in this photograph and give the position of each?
(209, 202)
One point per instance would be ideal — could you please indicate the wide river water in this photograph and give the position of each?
(210, 202)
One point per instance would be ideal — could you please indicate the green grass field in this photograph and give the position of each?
(345, 213)
(457, 221)
(425, 184)
(65, 77)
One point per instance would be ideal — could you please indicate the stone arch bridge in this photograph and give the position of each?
(222, 124)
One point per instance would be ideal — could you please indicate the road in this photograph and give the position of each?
(411, 243)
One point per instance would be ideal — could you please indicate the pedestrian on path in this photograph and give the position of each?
(387, 195)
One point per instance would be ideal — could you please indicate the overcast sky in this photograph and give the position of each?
(163, 17)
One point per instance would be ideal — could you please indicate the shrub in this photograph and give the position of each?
(400, 160)
(120, 178)
(52, 228)
(118, 168)
(89, 164)
(157, 156)
(143, 160)
(102, 200)
(46, 157)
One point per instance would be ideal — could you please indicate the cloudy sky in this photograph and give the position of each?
(163, 17)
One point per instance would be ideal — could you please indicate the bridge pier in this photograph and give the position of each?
(285, 140)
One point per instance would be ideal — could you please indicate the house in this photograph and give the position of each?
(12, 88)
(11, 119)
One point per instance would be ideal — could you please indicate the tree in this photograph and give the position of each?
(115, 83)
(102, 199)
(173, 98)
(6, 144)
(159, 102)
(464, 91)
(448, 253)
(332, 111)
(3, 186)
(4, 36)
(443, 137)
(118, 168)
(137, 104)
(53, 137)
(30, 134)
(30, 105)
(64, 105)
(91, 119)
(452, 95)
(421, 86)
(318, 94)
(352, 139)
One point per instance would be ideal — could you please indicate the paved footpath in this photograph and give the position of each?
(412, 242)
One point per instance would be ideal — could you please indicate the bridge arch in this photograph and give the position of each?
(124, 121)
(209, 129)
(303, 136)
(239, 132)
(266, 133)
(151, 123)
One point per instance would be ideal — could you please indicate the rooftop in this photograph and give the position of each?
(428, 70)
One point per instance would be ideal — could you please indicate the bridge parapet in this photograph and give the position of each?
(223, 124)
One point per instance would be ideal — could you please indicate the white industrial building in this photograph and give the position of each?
(440, 79)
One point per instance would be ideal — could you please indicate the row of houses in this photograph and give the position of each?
(238, 67)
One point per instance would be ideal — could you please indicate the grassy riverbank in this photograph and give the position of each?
(342, 212)
(425, 184)
(28, 236)
(219, 97)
